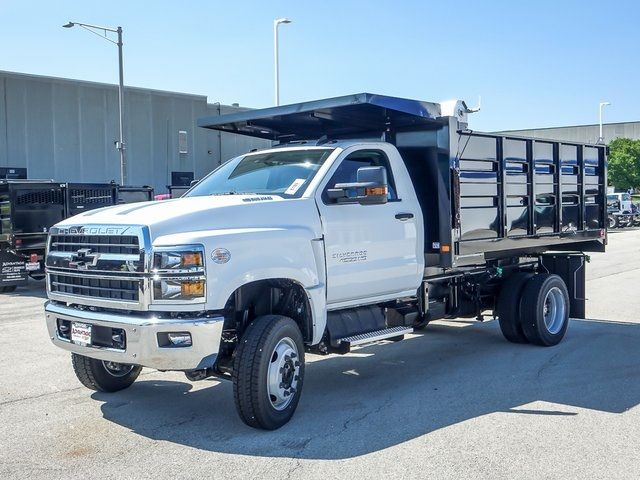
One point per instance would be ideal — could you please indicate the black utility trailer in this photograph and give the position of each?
(27, 209)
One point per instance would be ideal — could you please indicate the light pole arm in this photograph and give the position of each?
(97, 27)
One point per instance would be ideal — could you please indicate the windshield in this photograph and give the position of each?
(285, 173)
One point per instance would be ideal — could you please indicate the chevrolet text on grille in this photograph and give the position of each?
(90, 230)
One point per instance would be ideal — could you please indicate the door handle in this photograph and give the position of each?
(404, 216)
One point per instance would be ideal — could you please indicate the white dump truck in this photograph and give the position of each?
(370, 217)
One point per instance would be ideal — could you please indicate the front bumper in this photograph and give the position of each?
(141, 331)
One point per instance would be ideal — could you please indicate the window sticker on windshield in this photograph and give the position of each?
(293, 188)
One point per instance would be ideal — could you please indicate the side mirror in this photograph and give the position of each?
(371, 188)
(193, 182)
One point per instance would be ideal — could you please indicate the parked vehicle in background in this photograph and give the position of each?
(28, 208)
(373, 216)
(620, 211)
(635, 210)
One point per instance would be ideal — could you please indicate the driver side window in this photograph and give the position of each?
(348, 169)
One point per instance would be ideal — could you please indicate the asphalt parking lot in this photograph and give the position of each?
(455, 401)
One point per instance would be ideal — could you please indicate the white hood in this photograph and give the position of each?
(194, 214)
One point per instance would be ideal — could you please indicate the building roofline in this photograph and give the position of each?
(568, 126)
(93, 84)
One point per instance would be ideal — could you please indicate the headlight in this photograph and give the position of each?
(178, 289)
(179, 274)
(174, 261)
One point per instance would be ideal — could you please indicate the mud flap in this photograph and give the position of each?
(571, 267)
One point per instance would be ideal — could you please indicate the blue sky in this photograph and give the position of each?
(536, 64)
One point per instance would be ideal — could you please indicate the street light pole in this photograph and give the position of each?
(276, 24)
(120, 143)
(602, 105)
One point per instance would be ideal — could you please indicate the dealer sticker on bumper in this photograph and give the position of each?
(81, 333)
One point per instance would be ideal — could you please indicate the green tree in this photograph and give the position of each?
(624, 163)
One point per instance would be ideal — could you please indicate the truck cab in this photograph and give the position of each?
(371, 217)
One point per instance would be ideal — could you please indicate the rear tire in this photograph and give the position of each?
(613, 221)
(544, 310)
(508, 307)
(268, 372)
(103, 376)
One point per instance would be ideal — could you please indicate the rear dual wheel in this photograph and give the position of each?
(544, 310)
(534, 309)
(509, 307)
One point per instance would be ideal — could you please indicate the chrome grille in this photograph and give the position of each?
(94, 286)
(99, 265)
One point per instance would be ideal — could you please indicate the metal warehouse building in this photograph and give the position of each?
(66, 130)
(583, 133)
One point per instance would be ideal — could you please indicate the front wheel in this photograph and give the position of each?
(104, 376)
(268, 372)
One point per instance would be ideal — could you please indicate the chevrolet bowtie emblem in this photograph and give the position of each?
(83, 259)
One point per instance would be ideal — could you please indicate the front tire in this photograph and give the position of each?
(103, 376)
(544, 310)
(268, 372)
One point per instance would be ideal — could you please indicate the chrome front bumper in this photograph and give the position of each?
(141, 333)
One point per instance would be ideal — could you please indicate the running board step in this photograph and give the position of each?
(375, 336)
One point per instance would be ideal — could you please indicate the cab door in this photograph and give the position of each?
(373, 252)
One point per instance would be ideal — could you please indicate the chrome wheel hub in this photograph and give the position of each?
(117, 369)
(554, 310)
(283, 374)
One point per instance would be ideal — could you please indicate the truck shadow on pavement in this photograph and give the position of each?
(390, 394)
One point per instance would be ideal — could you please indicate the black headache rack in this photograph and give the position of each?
(484, 196)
